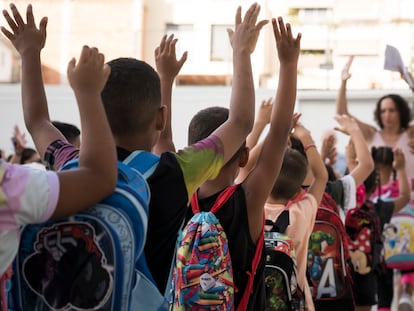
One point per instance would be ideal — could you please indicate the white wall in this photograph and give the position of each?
(317, 108)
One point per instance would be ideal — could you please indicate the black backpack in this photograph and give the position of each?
(282, 289)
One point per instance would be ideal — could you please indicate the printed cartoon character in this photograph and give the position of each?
(360, 261)
(406, 234)
(392, 241)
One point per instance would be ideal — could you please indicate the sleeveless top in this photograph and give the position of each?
(402, 143)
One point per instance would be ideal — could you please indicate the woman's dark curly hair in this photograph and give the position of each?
(400, 104)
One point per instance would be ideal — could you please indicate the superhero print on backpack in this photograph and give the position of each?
(328, 266)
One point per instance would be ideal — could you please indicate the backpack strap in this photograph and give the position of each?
(221, 199)
(3, 279)
(145, 162)
(283, 220)
(281, 223)
(250, 274)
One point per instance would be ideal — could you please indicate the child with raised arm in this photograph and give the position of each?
(242, 216)
(33, 196)
(302, 213)
(132, 101)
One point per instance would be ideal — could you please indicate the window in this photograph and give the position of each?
(220, 49)
(184, 33)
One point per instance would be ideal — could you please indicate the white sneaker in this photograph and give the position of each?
(405, 303)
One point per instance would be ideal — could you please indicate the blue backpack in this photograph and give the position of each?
(93, 260)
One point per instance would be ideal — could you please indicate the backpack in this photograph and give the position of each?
(399, 240)
(202, 274)
(282, 289)
(328, 270)
(93, 260)
(363, 226)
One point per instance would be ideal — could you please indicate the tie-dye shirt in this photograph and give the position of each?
(176, 178)
(27, 196)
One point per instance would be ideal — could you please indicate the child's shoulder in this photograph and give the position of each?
(59, 152)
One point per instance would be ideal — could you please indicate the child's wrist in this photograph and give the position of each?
(308, 146)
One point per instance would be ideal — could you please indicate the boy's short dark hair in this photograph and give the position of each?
(292, 174)
(205, 122)
(131, 96)
(297, 144)
(70, 131)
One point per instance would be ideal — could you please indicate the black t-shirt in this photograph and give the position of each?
(233, 218)
(166, 213)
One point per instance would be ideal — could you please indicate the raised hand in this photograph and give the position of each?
(347, 124)
(301, 132)
(166, 60)
(90, 73)
(345, 74)
(287, 46)
(265, 111)
(25, 36)
(246, 33)
(399, 159)
(18, 139)
(328, 149)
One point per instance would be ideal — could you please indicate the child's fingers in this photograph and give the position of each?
(162, 43)
(249, 16)
(261, 24)
(84, 54)
(106, 71)
(275, 29)
(18, 18)
(71, 66)
(289, 31)
(238, 16)
(168, 43)
(10, 21)
(29, 15)
(282, 27)
(7, 33)
(183, 58)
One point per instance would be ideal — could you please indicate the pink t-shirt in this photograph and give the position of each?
(402, 143)
(302, 217)
(27, 195)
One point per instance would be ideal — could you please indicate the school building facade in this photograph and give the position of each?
(331, 31)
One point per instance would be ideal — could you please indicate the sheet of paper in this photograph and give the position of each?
(394, 62)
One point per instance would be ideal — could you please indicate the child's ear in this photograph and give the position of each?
(161, 118)
(244, 157)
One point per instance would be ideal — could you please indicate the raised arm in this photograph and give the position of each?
(262, 119)
(318, 169)
(96, 176)
(97, 173)
(243, 40)
(342, 102)
(168, 68)
(404, 188)
(29, 41)
(19, 143)
(261, 179)
(365, 164)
